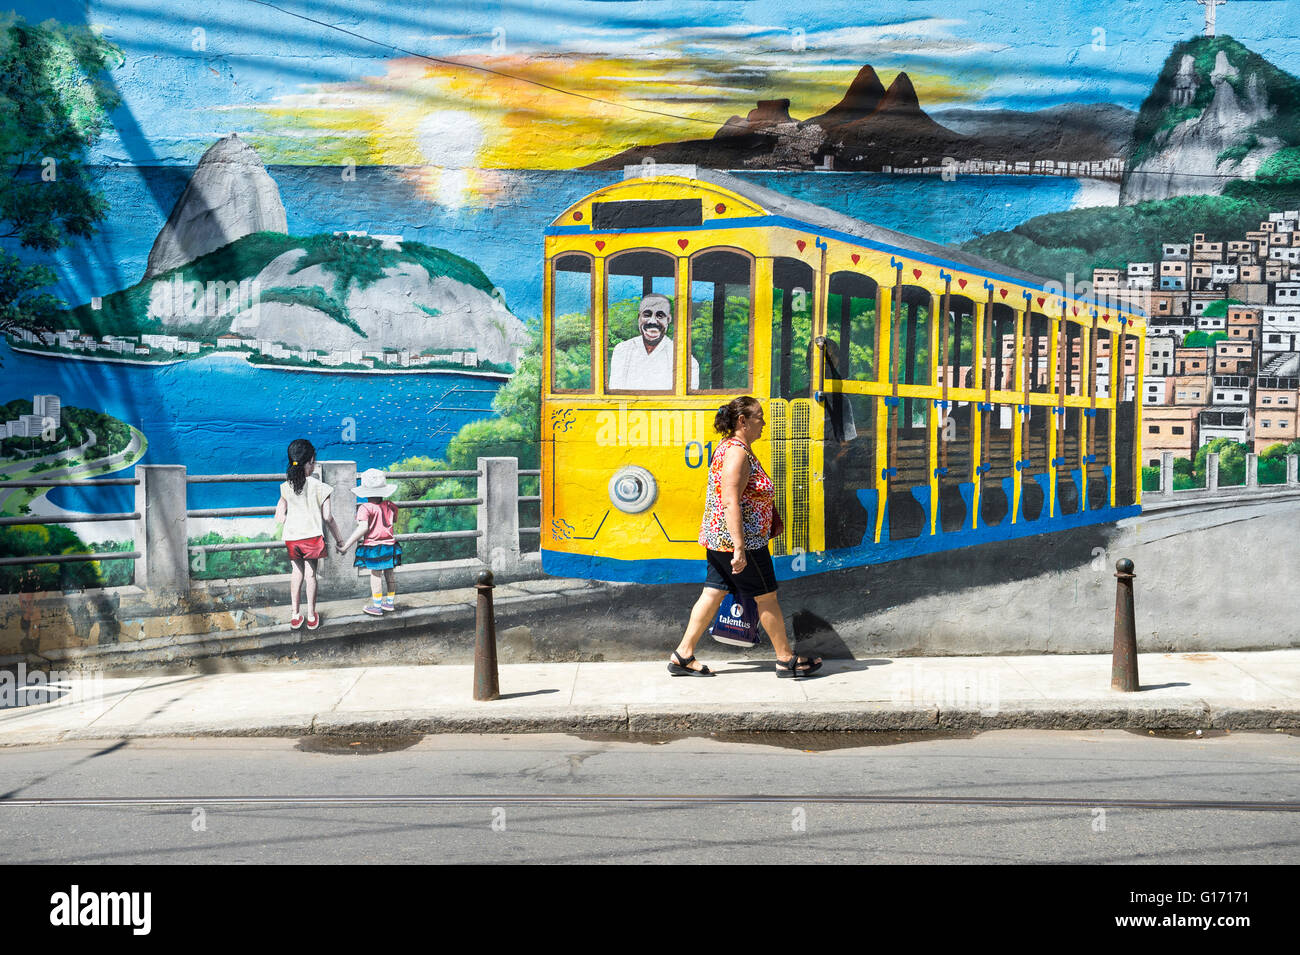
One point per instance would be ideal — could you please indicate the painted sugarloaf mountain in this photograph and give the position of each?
(874, 128)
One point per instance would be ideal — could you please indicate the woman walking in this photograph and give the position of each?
(739, 506)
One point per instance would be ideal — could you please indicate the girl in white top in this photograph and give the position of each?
(303, 512)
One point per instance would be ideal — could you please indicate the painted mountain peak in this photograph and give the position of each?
(230, 195)
(876, 128)
(860, 101)
(1218, 112)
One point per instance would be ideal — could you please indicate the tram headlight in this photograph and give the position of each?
(633, 489)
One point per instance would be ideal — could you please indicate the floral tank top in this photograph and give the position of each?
(756, 504)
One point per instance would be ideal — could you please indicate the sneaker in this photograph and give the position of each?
(313, 623)
(295, 622)
(372, 610)
(388, 606)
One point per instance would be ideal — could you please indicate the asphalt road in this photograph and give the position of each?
(531, 799)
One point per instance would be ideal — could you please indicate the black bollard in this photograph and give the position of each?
(486, 685)
(1124, 663)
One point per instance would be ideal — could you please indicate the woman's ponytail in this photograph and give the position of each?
(727, 420)
(301, 453)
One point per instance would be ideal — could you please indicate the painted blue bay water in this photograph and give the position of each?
(218, 414)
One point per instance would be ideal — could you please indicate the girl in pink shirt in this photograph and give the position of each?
(379, 551)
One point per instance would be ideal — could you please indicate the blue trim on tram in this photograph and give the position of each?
(677, 571)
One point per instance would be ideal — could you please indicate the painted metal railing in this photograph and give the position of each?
(26, 519)
(163, 554)
(1215, 490)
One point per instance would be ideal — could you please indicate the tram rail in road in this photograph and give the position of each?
(588, 799)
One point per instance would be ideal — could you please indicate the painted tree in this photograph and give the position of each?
(54, 101)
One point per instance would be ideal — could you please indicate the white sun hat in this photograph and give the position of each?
(373, 483)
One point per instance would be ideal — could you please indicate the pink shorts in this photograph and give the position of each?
(309, 548)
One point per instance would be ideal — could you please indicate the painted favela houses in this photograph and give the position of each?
(1019, 290)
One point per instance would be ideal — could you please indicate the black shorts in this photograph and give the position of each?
(758, 577)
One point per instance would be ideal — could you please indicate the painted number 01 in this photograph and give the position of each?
(698, 454)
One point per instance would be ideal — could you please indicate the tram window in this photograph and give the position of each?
(912, 337)
(957, 360)
(571, 325)
(851, 318)
(911, 350)
(1101, 362)
(1038, 353)
(721, 320)
(1002, 347)
(1074, 374)
(640, 294)
(792, 317)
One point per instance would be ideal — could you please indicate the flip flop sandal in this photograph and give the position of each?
(683, 667)
(796, 667)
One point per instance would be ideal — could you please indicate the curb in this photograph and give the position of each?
(690, 719)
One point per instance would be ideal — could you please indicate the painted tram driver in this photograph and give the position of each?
(646, 363)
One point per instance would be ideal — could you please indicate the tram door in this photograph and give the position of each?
(956, 370)
(908, 471)
(1124, 361)
(998, 419)
(1069, 421)
(1097, 459)
(850, 343)
(1036, 422)
(792, 429)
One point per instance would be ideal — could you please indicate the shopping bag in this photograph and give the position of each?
(737, 622)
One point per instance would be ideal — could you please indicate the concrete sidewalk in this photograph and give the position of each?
(1232, 690)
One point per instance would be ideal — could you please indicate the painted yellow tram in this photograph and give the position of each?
(918, 398)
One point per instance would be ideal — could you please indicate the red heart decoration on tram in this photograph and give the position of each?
(1003, 291)
(961, 282)
(1041, 301)
(599, 245)
(1075, 310)
(802, 244)
(916, 272)
(855, 257)
(683, 243)
(1107, 317)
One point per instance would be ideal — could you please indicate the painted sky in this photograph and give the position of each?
(619, 72)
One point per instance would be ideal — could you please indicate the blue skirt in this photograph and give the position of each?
(378, 556)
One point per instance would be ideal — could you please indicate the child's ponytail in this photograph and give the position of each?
(301, 453)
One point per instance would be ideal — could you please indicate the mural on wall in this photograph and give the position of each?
(259, 223)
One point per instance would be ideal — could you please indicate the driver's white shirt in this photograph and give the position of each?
(633, 369)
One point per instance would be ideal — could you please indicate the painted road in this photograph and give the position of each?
(128, 456)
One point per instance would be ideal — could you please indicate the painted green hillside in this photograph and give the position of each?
(1078, 240)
